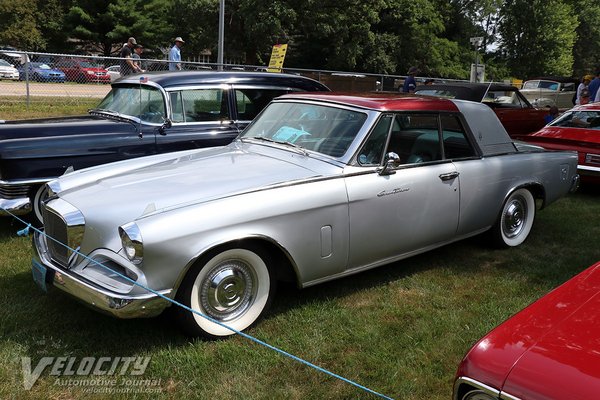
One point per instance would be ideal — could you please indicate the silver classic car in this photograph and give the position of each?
(318, 187)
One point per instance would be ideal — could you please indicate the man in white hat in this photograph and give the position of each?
(175, 55)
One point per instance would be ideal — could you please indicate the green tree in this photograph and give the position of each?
(19, 26)
(587, 45)
(538, 37)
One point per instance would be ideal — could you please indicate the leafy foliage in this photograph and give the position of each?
(521, 37)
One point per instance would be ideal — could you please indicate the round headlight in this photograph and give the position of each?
(131, 239)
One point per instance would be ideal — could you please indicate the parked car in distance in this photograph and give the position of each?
(8, 71)
(517, 115)
(82, 71)
(318, 187)
(549, 350)
(162, 112)
(551, 91)
(114, 71)
(40, 72)
(579, 130)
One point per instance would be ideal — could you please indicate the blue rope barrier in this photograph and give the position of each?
(25, 232)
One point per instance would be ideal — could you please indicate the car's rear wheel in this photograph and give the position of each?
(233, 287)
(515, 220)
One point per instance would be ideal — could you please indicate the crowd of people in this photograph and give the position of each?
(131, 53)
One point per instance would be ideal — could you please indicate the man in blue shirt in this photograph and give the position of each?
(410, 84)
(175, 55)
(593, 87)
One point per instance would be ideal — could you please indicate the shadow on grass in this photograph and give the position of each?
(555, 251)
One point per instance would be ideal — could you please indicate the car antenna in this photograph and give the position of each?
(140, 134)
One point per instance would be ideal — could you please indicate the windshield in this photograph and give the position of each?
(324, 129)
(578, 119)
(4, 63)
(144, 102)
(40, 65)
(541, 85)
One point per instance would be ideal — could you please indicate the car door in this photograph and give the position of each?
(410, 206)
(201, 116)
(517, 115)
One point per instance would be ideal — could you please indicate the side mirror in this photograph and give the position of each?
(166, 125)
(392, 160)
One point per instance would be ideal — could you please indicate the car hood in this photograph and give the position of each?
(8, 69)
(564, 362)
(147, 185)
(63, 126)
(553, 337)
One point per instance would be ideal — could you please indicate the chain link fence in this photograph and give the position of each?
(31, 76)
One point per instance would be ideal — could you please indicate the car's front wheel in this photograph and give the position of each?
(233, 287)
(515, 220)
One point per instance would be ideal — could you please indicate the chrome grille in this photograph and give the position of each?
(64, 225)
(56, 228)
(593, 159)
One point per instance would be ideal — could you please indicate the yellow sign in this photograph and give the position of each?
(277, 57)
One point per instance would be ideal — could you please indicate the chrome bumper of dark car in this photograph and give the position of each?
(14, 195)
(15, 206)
(49, 275)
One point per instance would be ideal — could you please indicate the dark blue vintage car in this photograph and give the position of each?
(142, 115)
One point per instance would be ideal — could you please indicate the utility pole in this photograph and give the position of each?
(221, 35)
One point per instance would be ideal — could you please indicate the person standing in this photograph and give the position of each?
(137, 57)
(127, 65)
(410, 84)
(175, 55)
(583, 91)
(593, 87)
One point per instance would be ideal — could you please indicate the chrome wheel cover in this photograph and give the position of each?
(228, 290)
(514, 217)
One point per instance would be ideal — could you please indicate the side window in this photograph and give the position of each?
(176, 107)
(456, 144)
(415, 138)
(205, 105)
(372, 151)
(251, 101)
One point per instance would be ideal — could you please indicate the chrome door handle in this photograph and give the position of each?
(449, 176)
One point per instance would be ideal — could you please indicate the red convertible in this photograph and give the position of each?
(577, 129)
(549, 350)
(513, 110)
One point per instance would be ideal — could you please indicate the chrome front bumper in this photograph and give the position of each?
(48, 275)
(10, 207)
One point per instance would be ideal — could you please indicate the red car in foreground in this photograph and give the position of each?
(549, 350)
(577, 129)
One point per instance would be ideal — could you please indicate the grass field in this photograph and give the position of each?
(16, 108)
(400, 330)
